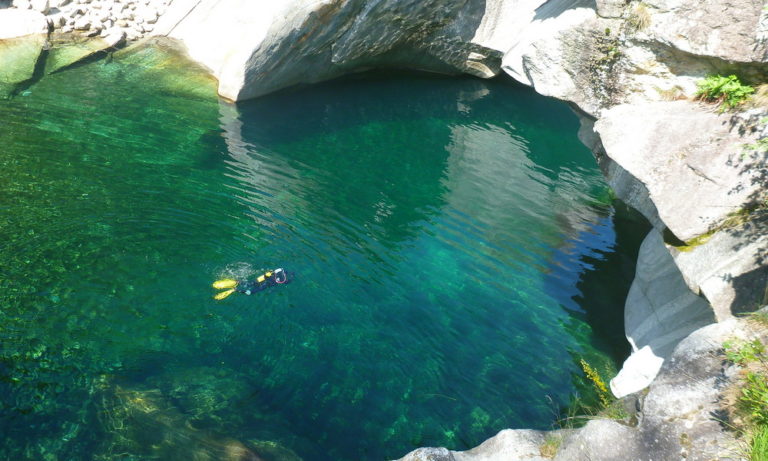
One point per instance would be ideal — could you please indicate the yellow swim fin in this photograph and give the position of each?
(224, 294)
(225, 283)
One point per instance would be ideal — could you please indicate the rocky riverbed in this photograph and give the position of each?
(131, 19)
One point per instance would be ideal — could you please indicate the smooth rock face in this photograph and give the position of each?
(696, 180)
(558, 53)
(275, 45)
(507, 445)
(660, 311)
(682, 414)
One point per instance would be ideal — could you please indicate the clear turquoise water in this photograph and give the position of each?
(455, 249)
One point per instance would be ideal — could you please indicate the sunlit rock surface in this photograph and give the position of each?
(255, 48)
(692, 160)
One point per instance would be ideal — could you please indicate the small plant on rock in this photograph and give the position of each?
(728, 91)
(640, 17)
(551, 444)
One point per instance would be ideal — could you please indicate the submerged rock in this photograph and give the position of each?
(66, 51)
(143, 423)
(680, 417)
(23, 35)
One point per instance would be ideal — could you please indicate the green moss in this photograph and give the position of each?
(160, 61)
(735, 219)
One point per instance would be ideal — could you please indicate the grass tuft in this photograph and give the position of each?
(760, 98)
(551, 444)
(640, 17)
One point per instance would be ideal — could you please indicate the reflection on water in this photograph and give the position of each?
(445, 234)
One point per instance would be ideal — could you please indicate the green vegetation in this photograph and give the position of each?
(750, 397)
(758, 445)
(595, 400)
(743, 353)
(728, 91)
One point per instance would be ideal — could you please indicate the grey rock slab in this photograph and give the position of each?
(690, 159)
(429, 454)
(611, 8)
(732, 30)
(600, 439)
(682, 415)
(507, 445)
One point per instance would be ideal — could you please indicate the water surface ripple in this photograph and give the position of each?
(447, 236)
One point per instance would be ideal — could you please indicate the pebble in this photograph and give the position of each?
(130, 19)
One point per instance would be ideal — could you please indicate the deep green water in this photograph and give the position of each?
(455, 249)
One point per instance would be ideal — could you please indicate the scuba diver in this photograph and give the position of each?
(268, 279)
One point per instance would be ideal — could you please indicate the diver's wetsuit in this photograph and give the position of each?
(276, 277)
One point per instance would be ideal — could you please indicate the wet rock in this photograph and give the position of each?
(23, 35)
(65, 52)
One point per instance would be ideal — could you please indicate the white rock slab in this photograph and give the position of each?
(697, 179)
(17, 23)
